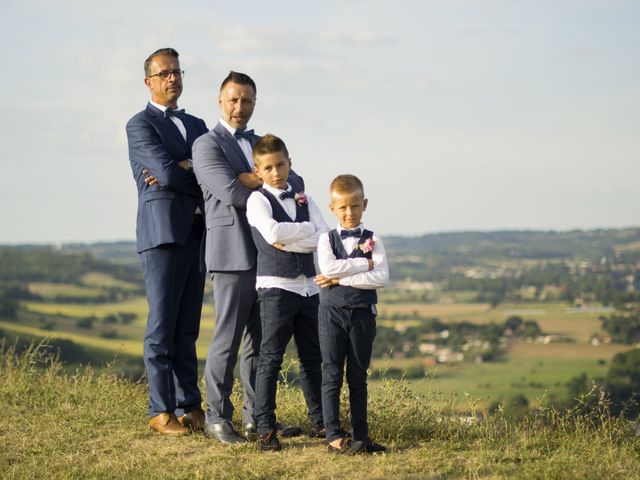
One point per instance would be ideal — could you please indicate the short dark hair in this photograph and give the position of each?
(267, 144)
(346, 184)
(240, 79)
(161, 51)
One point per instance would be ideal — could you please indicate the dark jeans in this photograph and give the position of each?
(285, 314)
(345, 334)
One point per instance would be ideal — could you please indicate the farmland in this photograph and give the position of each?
(534, 369)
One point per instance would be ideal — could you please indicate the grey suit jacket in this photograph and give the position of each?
(217, 162)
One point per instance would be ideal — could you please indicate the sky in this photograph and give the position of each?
(457, 115)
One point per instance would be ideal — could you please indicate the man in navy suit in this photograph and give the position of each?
(169, 232)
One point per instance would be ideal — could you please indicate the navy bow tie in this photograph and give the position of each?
(174, 113)
(288, 194)
(350, 233)
(248, 134)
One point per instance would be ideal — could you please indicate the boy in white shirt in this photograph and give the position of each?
(285, 224)
(353, 265)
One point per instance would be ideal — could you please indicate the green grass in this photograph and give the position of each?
(91, 424)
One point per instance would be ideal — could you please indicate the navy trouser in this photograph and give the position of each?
(285, 314)
(175, 287)
(345, 334)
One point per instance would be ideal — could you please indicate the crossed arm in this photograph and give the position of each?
(146, 150)
(364, 273)
(216, 175)
(298, 237)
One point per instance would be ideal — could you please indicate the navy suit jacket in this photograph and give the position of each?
(166, 210)
(217, 162)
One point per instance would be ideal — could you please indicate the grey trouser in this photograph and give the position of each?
(237, 321)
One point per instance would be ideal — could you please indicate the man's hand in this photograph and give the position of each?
(150, 180)
(186, 164)
(323, 281)
(250, 180)
(279, 246)
(370, 264)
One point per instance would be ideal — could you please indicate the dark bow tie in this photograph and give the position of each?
(288, 194)
(350, 233)
(248, 134)
(174, 113)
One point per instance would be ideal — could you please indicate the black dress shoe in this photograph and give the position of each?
(250, 431)
(287, 431)
(317, 431)
(369, 446)
(269, 442)
(224, 432)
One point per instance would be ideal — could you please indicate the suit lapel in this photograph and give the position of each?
(231, 144)
(187, 121)
(159, 114)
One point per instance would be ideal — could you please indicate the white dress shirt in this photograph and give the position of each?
(183, 132)
(243, 143)
(354, 272)
(173, 118)
(298, 237)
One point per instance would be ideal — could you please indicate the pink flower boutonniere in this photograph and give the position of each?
(367, 246)
(300, 198)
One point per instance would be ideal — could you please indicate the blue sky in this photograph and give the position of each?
(457, 115)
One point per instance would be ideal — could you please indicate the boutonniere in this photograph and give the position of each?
(367, 246)
(300, 198)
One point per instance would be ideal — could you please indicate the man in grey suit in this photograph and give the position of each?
(223, 165)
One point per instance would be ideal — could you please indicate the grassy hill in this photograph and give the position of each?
(90, 424)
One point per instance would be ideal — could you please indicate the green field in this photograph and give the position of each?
(553, 318)
(535, 369)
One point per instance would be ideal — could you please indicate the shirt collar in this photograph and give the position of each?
(275, 191)
(340, 228)
(229, 128)
(162, 108)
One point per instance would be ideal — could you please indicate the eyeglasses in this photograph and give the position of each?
(167, 73)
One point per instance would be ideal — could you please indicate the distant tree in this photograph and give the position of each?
(490, 333)
(86, 322)
(578, 386)
(126, 317)
(531, 329)
(46, 324)
(623, 382)
(624, 326)
(514, 324)
(8, 308)
(110, 319)
(111, 333)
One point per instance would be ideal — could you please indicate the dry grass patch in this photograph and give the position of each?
(91, 424)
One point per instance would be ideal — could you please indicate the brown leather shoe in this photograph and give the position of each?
(194, 420)
(168, 424)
